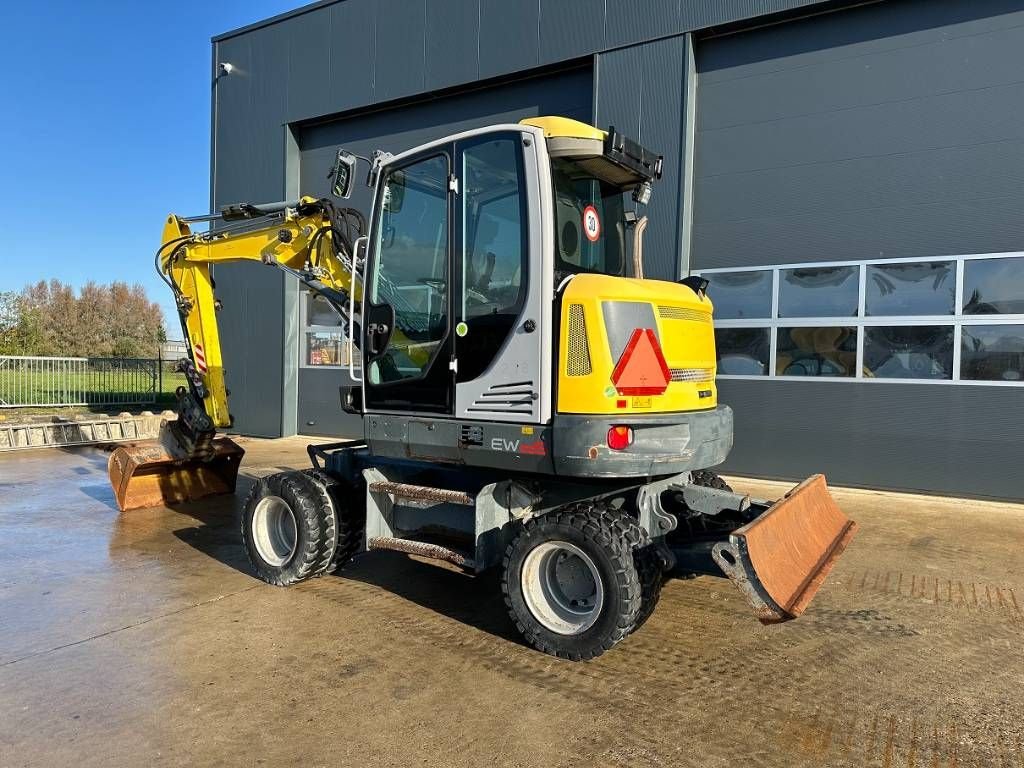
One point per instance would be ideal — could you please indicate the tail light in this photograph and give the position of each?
(620, 438)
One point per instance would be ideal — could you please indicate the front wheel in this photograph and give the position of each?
(288, 528)
(570, 582)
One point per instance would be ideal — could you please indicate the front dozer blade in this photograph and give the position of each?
(780, 559)
(146, 474)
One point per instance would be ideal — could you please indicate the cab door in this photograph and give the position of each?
(408, 308)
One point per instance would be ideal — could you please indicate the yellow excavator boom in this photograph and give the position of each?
(310, 239)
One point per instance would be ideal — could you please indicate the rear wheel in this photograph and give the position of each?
(708, 479)
(570, 583)
(288, 528)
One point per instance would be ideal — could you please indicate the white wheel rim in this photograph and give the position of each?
(562, 587)
(274, 532)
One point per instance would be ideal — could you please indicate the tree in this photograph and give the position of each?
(49, 318)
(20, 325)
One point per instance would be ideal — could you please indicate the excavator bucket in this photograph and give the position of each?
(781, 558)
(146, 474)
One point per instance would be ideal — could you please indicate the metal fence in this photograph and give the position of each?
(58, 381)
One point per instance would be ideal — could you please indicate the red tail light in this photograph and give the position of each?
(620, 438)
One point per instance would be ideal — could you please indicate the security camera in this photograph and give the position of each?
(226, 68)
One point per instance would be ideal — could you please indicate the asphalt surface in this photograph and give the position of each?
(142, 639)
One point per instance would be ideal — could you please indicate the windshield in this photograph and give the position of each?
(590, 227)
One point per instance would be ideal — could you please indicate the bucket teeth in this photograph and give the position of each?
(145, 474)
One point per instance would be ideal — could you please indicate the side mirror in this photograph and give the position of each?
(343, 174)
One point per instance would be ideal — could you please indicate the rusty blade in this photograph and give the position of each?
(780, 560)
(145, 474)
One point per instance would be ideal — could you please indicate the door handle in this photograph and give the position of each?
(374, 331)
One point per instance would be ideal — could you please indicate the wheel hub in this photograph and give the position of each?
(274, 530)
(562, 587)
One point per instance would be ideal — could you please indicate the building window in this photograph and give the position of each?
(994, 287)
(818, 351)
(908, 352)
(818, 292)
(992, 353)
(925, 288)
(323, 335)
(742, 294)
(953, 320)
(743, 351)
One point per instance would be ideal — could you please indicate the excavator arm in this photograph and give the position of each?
(310, 239)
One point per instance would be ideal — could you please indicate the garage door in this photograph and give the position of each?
(891, 130)
(567, 93)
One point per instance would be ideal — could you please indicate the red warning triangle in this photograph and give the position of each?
(642, 369)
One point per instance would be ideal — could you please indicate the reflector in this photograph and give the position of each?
(642, 369)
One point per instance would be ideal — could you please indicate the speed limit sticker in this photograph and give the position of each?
(591, 223)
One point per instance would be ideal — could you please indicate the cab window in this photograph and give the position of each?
(590, 223)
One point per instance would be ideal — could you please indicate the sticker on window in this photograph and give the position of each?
(591, 223)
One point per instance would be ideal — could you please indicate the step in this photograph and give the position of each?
(421, 548)
(422, 493)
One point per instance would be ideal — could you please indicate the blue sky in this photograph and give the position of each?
(104, 129)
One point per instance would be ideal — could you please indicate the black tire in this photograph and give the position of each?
(604, 537)
(349, 504)
(708, 479)
(651, 570)
(312, 517)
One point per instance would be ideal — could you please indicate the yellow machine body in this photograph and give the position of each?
(682, 320)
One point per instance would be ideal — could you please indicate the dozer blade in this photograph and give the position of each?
(146, 474)
(780, 559)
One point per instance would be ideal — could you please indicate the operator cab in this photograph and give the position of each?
(470, 238)
(591, 170)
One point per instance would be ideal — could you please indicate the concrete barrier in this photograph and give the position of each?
(82, 430)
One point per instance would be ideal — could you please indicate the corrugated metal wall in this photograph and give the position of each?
(889, 130)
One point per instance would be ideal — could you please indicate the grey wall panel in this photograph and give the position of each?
(961, 440)
(632, 21)
(509, 36)
(452, 33)
(699, 14)
(249, 165)
(570, 28)
(320, 405)
(640, 91)
(353, 37)
(618, 97)
(399, 55)
(891, 130)
(311, 46)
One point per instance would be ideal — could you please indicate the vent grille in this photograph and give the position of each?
(692, 374)
(514, 397)
(683, 313)
(578, 359)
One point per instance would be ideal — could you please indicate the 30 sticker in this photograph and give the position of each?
(591, 224)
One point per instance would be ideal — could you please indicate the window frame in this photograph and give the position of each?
(957, 320)
(305, 328)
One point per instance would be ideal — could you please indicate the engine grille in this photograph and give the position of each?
(577, 361)
(683, 313)
(692, 374)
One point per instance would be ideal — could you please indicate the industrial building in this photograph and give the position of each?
(849, 177)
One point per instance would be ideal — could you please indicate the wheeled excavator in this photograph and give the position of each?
(529, 400)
